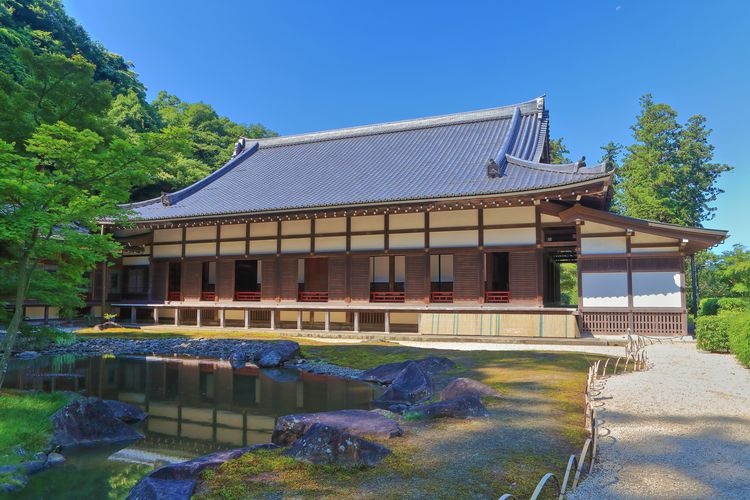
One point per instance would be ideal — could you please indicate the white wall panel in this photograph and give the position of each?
(604, 289)
(261, 247)
(503, 237)
(135, 261)
(603, 245)
(232, 248)
(595, 227)
(454, 239)
(164, 235)
(659, 289)
(330, 243)
(167, 251)
(368, 223)
(233, 231)
(367, 242)
(550, 218)
(200, 249)
(642, 238)
(295, 245)
(674, 249)
(454, 218)
(200, 233)
(509, 215)
(289, 227)
(262, 229)
(406, 221)
(405, 241)
(333, 225)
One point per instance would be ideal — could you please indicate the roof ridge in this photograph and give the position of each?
(563, 168)
(487, 114)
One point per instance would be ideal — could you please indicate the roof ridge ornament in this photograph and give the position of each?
(493, 169)
(239, 146)
(165, 199)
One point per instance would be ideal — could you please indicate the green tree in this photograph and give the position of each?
(53, 197)
(667, 174)
(612, 152)
(734, 269)
(558, 152)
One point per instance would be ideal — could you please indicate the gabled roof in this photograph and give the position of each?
(424, 159)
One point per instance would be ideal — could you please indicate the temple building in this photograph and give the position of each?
(448, 225)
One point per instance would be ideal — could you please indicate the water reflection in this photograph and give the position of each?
(195, 405)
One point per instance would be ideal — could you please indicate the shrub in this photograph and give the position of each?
(739, 337)
(37, 337)
(709, 306)
(712, 333)
(733, 305)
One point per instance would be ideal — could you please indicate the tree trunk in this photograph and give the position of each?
(15, 322)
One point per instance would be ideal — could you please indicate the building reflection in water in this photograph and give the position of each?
(196, 404)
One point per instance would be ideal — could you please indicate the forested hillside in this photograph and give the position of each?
(51, 70)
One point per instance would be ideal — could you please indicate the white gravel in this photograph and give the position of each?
(678, 430)
(488, 346)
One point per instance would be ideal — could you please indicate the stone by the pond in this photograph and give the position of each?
(34, 466)
(12, 479)
(90, 422)
(387, 373)
(411, 386)
(468, 387)
(277, 353)
(322, 444)
(360, 423)
(281, 375)
(237, 359)
(28, 355)
(127, 413)
(55, 459)
(462, 407)
(177, 481)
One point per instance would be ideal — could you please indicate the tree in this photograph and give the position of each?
(52, 200)
(667, 174)
(558, 152)
(735, 270)
(612, 152)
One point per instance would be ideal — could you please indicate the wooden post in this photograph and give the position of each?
(247, 318)
(299, 320)
(46, 317)
(198, 322)
(156, 316)
(133, 316)
(327, 321)
(273, 319)
(356, 321)
(176, 316)
(222, 318)
(387, 316)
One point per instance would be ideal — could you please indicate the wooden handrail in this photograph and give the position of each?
(497, 297)
(247, 296)
(312, 297)
(387, 297)
(441, 297)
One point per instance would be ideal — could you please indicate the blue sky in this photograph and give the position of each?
(306, 66)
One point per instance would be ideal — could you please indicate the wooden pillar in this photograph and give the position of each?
(328, 321)
(46, 316)
(198, 322)
(356, 321)
(222, 318)
(176, 316)
(273, 319)
(247, 318)
(629, 267)
(156, 316)
(387, 316)
(133, 316)
(299, 320)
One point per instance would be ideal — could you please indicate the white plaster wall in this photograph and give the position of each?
(509, 215)
(164, 235)
(368, 242)
(641, 238)
(200, 249)
(550, 218)
(660, 289)
(406, 221)
(262, 229)
(604, 245)
(673, 249)
(518, 236)
(454, 239)
(261, 247)
(295, 227)
(445, 264)
(232, 248)
(379, 269)
(135, 261)
(167, 250)
(454, 218)
(595, 227)
(333, 225)
(604, 289)
(330, 243)
(233, 231)
(406, 241)
(399, 271)
(368, 223)
(295, 245)
(200, 233)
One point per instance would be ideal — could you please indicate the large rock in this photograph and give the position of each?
(468, 387)
(361, 423)
(411, 386)
(238, 359)
(322, 444)
(463, 407)
(90, 422)
(177, 481)
(276, 354)
(387, 373)
(127, 413)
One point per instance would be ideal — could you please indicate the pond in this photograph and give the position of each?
(196, 406)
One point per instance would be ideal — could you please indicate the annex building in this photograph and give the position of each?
(448, 225)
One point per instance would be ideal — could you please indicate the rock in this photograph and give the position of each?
(129, 414)
(237, 359)
(468, 387)
(386, 413)
(12, 479)
(361, 423)
(283, 376)
(322, 444)
(90, 422)
(27, 355)
(277, 353)
(387, 373)
(34, 466)
(411, 386)
(55, 459)
(177, 481)
(463, 407)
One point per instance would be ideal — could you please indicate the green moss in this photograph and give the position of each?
(25, 421)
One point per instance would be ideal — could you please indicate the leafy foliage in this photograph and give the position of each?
(558, 152)
(739, 337)
(712, 333)
(668, 174)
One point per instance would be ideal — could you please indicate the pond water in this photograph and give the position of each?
(196, 406)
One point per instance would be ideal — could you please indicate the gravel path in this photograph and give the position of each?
(678, 430)
(489, 346)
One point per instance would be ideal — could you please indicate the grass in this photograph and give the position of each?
(25, 421)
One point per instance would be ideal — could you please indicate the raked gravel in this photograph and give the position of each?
(680, 429)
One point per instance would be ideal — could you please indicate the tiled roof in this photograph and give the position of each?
(428, 158)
